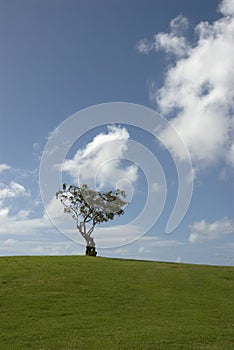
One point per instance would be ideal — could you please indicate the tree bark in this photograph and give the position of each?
(90, 246)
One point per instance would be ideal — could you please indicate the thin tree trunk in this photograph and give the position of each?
(90, 244)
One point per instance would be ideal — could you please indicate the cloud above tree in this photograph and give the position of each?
(101, 160)
(198, 90)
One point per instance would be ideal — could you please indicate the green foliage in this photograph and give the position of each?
(92, 206)
(80, 303)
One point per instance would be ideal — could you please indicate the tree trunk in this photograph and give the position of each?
(90, 251)
(90, 246)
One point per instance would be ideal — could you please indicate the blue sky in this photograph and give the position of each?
(174, 57)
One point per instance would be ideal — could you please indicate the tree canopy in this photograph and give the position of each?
(89, 207)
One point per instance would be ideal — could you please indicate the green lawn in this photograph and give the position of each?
(96, 303)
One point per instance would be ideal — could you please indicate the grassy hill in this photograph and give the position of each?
(96, 303)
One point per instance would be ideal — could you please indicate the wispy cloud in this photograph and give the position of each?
(198, 90)
(204, 231)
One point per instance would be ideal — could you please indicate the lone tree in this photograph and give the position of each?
(89, 208)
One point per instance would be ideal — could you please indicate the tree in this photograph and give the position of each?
(89, 208)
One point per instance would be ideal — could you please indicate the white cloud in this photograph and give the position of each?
(3, 167)
(18, 225)
(227, 7)
(13, 190)
(198, 90)
(171, 43)
(100, 160)
(179, 25)
(4, 214)
(19, 222)
(174, 42)
(144, 46)
(54, 209)
(203, 231)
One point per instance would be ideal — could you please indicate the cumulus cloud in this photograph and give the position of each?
(9, 222)
(100, 160)
(13, 190)
(198, 90)
(204, 231)
(227, 7)
(172, 43)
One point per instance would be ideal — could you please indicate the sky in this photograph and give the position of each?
(132, 94)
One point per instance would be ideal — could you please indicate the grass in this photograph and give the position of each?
(66, 303)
